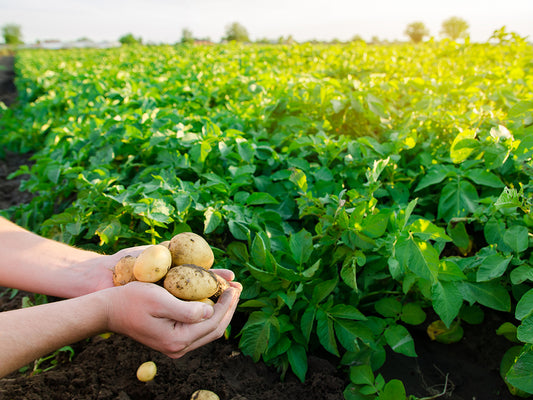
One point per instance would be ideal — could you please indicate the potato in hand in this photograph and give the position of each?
(190, 248)
(152, 264)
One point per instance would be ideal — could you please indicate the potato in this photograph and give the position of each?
(207, 301)
(152, 264)
(204, 395)
(190, 248)
(123, 271)
(191, 282)
(222, 285)
(146, 371)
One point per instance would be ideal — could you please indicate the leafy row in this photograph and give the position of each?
(352, 188)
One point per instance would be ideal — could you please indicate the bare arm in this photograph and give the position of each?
(143, 311)
(40, 265)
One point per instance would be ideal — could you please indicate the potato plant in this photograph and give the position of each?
(350, 195)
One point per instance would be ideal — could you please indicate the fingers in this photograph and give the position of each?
(224, 273)
(213, 328)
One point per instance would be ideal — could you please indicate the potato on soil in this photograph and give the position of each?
(146, 371)
(152, 264)
(123, 271)
(191, 282)
(204, 395)
(190, 248)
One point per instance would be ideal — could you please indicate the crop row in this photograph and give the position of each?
(350, 187)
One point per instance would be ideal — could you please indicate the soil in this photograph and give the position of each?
(104, 368)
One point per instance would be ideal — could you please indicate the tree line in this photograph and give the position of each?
(453, 28)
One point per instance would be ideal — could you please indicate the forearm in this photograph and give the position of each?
(36, 264)
(30, 333)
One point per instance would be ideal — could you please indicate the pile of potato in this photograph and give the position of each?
(181, 265)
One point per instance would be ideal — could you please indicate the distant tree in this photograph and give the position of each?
(237, 32)
(455, 28)
(12, 34)
(187, 36)
(416, 31)
(130, 39)
(357, 38)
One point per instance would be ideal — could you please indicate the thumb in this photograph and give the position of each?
(188, 312)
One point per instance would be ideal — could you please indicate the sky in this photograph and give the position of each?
(163, 21)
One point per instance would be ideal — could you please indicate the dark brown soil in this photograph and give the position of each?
(105, 368)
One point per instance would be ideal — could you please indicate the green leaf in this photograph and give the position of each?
(388, 307)
(256, 334)
(520, 374)
(325, 332)
(412, 314)
(463, 146)
(524, 308)
(362, 375)
(524, 333)
(213, 218)
(346, 311)
(393, 390)
(298, 360)
(459, 235)
(375, 225)
(301, 246)
(400, 340)
(516, 237)
(521, 274)
(492, 267)
(348, 332)
(490, 294)
(426, 230)
(450, 271)
(323, 289)
(457, 199)
(484, 177)
(260, 198)
(418, 256)
(307, 321)
(349, 273)
(239, 230)
(447, 301)
(434, 175)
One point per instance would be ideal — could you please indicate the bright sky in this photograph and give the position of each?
(163, 20)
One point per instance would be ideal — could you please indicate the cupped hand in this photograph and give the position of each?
(151, 315)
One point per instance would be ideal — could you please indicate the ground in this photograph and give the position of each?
(104, 368)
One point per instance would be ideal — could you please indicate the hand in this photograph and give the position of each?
(151, 315)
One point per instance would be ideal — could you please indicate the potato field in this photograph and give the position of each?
(370, 198)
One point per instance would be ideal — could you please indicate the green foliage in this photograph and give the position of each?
(455, 28)
(349, 195)
(12, 34)
(129, 39)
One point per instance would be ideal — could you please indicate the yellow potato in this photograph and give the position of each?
(191, 282)
(123, 271)
(190, 248)
(222, 285)
(146, 371)
(152, 264)
(204, 395)
(207, 301)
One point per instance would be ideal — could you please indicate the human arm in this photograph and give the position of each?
(39, 265)
(146, 312)
(143, 311)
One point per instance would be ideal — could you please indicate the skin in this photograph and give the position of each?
(143, 311)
